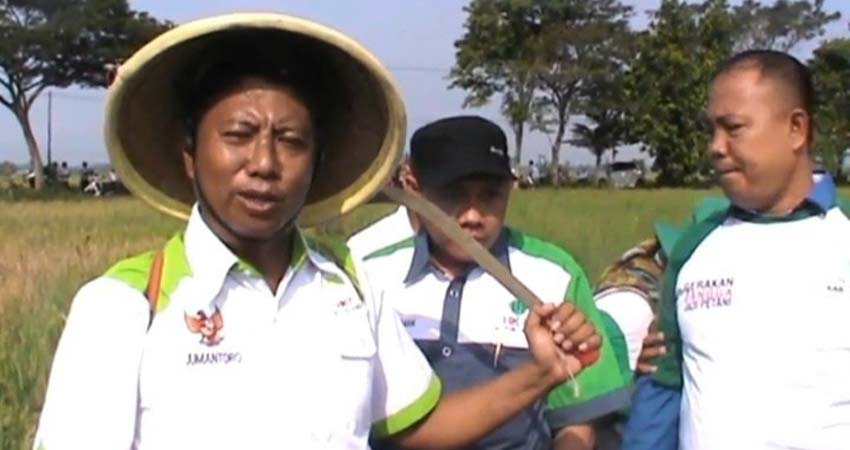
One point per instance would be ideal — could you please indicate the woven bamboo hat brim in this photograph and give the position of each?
(146, 131)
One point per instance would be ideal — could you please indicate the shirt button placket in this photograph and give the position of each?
(451, 316)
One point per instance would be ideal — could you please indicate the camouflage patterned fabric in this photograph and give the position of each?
(640, 269)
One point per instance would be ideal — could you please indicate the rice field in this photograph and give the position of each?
(48, 248)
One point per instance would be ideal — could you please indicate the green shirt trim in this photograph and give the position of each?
(135, 271)
(412, 413)
(337, 251)
(670, 365)
(621, 349)
(390, 249)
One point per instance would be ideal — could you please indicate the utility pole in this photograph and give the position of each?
(49, 127)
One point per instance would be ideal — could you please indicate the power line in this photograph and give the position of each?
(81, 97)
(420, 69)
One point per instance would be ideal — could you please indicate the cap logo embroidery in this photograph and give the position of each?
(497, 151)
(518, 307)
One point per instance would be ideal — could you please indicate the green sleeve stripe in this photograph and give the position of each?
(708, 207)
(337, 251)
(618, 341)
(670, 365)
(390, 249)
(133, 271)
(667, 235)
(175, 267)
(412, 413)
(844, 204)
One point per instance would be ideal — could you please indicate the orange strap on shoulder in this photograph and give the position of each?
(154, 282)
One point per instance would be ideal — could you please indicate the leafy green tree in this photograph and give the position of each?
(780, 25)
(571, 49)
(667, 86)
(491, 59)
(58, 43)
(830, 67)
(537, 55)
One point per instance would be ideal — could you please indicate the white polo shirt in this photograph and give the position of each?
(229, 364)
(471, 329)
(755, 311)
(386, 231)
(765, 334)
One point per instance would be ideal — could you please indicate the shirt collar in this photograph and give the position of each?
(823, 193)
(210, 259)
(820, 200)
(421, 262)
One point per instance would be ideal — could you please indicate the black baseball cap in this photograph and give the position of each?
(456, 147)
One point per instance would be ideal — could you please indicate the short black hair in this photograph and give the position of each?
(248, 58)
(779, 66)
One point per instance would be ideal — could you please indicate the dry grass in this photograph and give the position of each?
(49, 248)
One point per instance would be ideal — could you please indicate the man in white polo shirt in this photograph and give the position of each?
(242, 332)
(756, 295)
(466, 323)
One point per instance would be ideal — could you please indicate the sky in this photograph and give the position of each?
(413, 38)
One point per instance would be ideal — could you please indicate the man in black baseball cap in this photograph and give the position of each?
(468, 326)
(456, 147)
(459, 162)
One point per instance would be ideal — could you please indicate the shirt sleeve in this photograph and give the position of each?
(633, 316)
(602, 387)
(92, 393)
(406, 389)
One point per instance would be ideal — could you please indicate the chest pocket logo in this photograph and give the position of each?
(209, 326)
(353, 330)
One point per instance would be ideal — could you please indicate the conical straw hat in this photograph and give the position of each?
(146, 128)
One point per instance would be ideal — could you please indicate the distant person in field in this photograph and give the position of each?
(243, 332)
(533, 172)
(86, 176)
(755, 297)
(466, 323)
(63, 174)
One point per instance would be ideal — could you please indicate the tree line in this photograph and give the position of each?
(550, 61)
(547, 61)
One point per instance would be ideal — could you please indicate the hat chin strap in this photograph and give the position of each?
(206, 208)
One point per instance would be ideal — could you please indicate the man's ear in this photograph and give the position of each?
(189, 161)
(411, 183)
(800, 129)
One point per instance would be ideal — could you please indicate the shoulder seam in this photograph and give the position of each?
(558, 256)
(391, 249)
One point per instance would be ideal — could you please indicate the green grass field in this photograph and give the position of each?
(49, 248)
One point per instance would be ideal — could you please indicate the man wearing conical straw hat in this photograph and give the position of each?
(241, 332)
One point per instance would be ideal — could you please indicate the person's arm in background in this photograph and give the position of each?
(628, 293)
(653, 421)
(654, 418)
